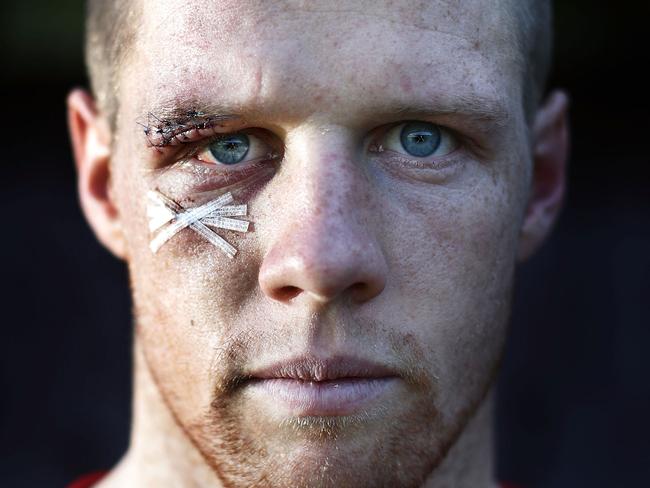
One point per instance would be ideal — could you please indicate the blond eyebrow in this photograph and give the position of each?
(167, 117)
(162, 124)
(478, 109)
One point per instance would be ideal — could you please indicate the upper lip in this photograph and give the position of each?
(310, 368)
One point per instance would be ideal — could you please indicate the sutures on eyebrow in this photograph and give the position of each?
(161, 132)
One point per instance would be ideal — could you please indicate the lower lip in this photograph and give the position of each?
(344, 396)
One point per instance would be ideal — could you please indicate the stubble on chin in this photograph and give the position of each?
(383, 447)
(369, 449)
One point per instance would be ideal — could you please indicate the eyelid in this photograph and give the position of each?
(181, 175)
(478, 139)
(186, 151)
(174, 133)
(255, 138)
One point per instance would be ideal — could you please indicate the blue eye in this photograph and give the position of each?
(420, 139)
(230, 149)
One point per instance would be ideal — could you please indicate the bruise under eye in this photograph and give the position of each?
(235, 148)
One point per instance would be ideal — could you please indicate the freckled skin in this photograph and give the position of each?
(348, 254)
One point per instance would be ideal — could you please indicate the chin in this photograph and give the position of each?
(390, 444)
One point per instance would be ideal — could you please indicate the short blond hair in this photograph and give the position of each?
(111, 28)
(110, 33)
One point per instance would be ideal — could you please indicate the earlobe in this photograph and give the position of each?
(91, 145)
(548, 184)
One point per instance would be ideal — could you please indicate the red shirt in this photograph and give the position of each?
(89, 480)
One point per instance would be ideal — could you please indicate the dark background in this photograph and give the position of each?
(574, 394)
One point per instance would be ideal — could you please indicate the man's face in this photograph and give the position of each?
(373, 260)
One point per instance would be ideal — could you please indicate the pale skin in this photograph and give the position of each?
(356, 250)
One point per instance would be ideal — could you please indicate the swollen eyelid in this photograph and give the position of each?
(182, 136)
(173, 132)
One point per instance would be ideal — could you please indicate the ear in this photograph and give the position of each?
(91, 144)
(548, 185)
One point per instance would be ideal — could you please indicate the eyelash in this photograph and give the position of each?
(376, 146)
(194, 138)
(194, 146)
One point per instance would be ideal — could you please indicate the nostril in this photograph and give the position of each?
(317, 267)
(286, 293)
(359, 291)
(371, 286)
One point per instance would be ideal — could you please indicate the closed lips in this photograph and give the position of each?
(315, 387)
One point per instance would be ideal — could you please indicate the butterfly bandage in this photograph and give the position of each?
(167, 218)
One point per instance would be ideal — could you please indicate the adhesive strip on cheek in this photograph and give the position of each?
(168, 218)
(226, 223)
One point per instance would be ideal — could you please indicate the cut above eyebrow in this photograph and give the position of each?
(162, 125)
(165, 117)
(188, 110)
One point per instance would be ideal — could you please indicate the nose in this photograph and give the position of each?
(326, 246)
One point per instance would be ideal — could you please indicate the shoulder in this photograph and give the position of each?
(87, 481)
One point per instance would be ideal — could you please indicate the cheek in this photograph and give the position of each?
(444, 243)
(186, 297)
(453, 275)
(186, 304)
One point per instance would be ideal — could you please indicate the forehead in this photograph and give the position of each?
(298, 57)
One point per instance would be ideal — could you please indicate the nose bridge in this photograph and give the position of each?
(326, 246)
(332, 182)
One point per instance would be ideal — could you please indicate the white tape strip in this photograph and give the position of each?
(157, 211)
(214, 239)
(226, 223)
(230, 211)
(162, 211)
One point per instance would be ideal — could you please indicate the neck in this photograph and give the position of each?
(470, 461)
(161, 455)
